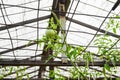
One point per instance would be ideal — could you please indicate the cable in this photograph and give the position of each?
(10, 21)
(23, 12)
(95, 7)
(21, 35)
(37, 27)
(8, 30)
(98, 29)
(22, 55)
(25, 33)
(21, 49)
(25, 26)
(24, 3)
(70, 7)
(96, 32)
(6, 12)
(59, 43)
(116, 5)
(17, 42)
(17, 13)
(37, 30)
(70, 23)
(16, 39)
(59, 11)
(113, 45)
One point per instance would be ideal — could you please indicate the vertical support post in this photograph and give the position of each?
(61, 5)
(49, 51)
(63, 32)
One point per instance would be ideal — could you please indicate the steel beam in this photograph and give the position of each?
(92, 27)
(24, 22)
(20, 47)
(54, 63)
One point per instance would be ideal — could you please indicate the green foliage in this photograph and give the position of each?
(20, 72)
(117, 79)
(57, 75)
(104, 43)
(88, 57)
(113, 25)
(73, 53)
(50, 33)
(1, 77)
(53, 41)
(74, 73)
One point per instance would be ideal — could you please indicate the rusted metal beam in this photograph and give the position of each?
(92, 27)
(24, 22)
(55, 63)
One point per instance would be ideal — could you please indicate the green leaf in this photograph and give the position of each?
(69, 55)
(54, 27)
(104, 72)
(56, 18)
(108, 26)
(68, 49)
(114, 30)
(28, 78)
(52, 73)
(112, 21)
(117, 79)
(117, 16)
(1, 77)
(11, 69)
(117, 25)
(107, 67)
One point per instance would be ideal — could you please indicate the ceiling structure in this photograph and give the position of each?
(22, 21)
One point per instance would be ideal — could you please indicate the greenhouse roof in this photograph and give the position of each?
(85, 32)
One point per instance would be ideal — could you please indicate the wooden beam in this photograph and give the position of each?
(55, 63)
